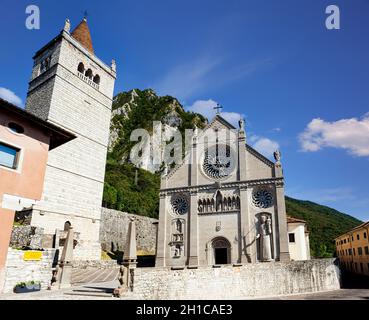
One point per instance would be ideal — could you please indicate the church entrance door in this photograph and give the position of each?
(221, 256)
(222, 251)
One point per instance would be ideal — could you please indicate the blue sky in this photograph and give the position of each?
(301, 87)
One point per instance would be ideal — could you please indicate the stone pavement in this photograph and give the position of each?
(342, 294)
(104, 290)
(94, 275)
(91, 291)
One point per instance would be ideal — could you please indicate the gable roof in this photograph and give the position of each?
(258, 155)
(219, 118)
(360, 226)
(58, 136)
(294, 220)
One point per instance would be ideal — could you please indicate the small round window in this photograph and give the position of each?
(15, 127)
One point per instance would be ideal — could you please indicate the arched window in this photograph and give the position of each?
(81, 68)
(199, 206)
(88, 74)
(67, 225)
(97, 79)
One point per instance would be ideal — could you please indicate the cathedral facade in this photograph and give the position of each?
(224, 204)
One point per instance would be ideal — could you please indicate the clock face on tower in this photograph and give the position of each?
(218, 162)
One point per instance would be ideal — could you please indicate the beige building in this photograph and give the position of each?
(224, 204)
(352, 249)
(298, 239)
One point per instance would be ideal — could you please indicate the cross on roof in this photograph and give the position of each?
(85, 13)
(218, 107)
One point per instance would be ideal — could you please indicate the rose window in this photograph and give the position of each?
(262, 198)
(180, 204)
(219, 162)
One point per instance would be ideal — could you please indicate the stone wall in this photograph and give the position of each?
(18, 270)
(237, 282)
(114, 228)
(26, 236)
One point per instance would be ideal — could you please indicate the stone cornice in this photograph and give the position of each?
(278, 182)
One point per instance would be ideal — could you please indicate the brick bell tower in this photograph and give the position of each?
(72, 88)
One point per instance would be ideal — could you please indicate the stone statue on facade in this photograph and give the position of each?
(264, 236)
(241, 123)
(67, 26)
(277, 156)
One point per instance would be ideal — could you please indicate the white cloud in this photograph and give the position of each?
(264, 145)
(206, 108)
(10, 96)
(349, 134)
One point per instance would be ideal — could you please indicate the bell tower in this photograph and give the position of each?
(72, 88)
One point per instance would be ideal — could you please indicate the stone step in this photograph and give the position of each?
(91, 292)
(101, 295)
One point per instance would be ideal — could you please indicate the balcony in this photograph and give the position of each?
(88, 80)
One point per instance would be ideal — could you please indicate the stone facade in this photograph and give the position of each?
(237, 282)
(61, 93)
(114, 231)
(18, 270)
(224, 204)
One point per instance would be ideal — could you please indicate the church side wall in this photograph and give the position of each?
(239, 282)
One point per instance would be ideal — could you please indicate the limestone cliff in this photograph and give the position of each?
(138, 109)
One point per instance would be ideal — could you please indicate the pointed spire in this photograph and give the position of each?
(82, 34)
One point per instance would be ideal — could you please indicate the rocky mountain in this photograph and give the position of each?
(139, 109)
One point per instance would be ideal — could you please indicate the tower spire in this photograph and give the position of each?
(82, 34)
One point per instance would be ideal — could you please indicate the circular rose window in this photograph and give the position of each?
(180, 204)
(219, 162)
(262, 198)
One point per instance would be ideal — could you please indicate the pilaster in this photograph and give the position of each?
(284, 254)
(162, 231)
(193, 257)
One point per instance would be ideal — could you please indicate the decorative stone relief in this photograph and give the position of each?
(219, 203)
(177, 243)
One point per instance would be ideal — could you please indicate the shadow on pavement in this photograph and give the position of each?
(354, 281)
